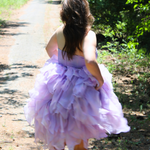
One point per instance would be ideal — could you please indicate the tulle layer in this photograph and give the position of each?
(67, 109)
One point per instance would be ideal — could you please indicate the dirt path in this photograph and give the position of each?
(22, 48)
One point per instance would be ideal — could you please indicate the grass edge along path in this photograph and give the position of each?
(14, 4)
(6, 8)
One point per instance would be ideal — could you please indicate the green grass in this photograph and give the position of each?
(6, 7)
(6, 4)
(129, 61)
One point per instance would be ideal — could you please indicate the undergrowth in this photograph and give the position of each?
(132, 69)
(131, 82)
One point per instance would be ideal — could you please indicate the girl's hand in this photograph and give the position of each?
(98, 86)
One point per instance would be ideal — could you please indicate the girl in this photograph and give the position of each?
(73, 98)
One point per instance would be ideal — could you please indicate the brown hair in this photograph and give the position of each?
(76, 16)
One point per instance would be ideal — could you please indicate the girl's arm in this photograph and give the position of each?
(89, 51)
(52, 46)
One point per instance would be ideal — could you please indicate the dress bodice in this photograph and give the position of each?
(77, 61)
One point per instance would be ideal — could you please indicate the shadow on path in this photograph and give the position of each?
(15, 71)
(3, 67)
(2, 23)
(11, 75)
(5, 25)
(12, 24)
(53, 2)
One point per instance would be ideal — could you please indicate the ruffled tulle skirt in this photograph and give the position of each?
(66, 108)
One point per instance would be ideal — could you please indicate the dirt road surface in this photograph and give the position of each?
(22, 54)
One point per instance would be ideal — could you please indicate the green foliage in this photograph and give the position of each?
(129, 58)
(142, 27)
(106, 11)
(12, 3)
(125, 20)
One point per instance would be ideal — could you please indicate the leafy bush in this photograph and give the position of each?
(123, 20)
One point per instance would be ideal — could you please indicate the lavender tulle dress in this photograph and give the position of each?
(66, 108)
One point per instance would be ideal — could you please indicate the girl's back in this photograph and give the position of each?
(78, 58)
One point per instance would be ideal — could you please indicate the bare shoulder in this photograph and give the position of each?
(89, 46)
(60, 29)
(60, 37)
(91, 33)
(90, 38)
